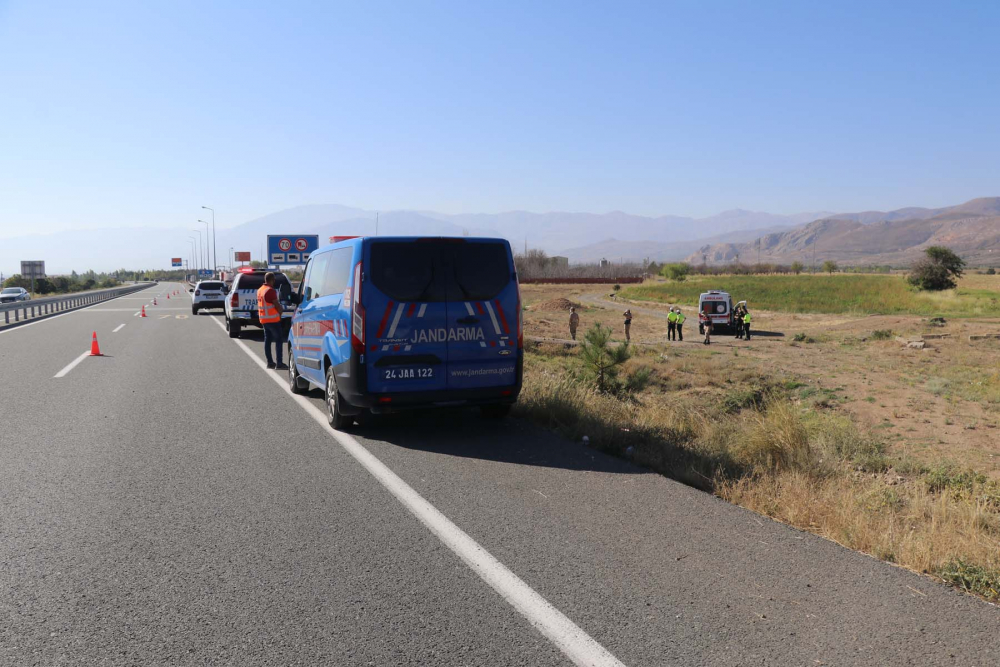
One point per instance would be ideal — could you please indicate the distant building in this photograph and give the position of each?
(605, 263)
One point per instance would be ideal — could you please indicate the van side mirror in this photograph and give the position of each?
(295, 298)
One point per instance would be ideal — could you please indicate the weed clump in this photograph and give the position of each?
(972, 578)
(883, 334)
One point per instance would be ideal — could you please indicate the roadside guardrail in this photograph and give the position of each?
(24, 310)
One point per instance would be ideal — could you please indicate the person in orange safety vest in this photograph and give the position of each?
(269, 311)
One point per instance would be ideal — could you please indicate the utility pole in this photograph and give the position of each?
(376, 223)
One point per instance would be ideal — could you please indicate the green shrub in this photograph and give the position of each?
(883, 334)
(972, 578)
(675, 271)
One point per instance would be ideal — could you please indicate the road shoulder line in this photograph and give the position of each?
(572, 640)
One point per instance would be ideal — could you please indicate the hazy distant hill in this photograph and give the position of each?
(873, 236)
(971, 229)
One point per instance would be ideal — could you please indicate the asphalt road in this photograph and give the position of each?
(169, 503)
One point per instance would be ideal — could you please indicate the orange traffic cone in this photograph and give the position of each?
(95, 349)
(168, 296)
(154, 300)
(143, 314)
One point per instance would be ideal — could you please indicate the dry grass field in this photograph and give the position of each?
(828, 422)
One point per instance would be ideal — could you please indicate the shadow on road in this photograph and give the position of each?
(465, 433)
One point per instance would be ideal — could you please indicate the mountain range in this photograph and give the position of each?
(893, 238)
(884, 237)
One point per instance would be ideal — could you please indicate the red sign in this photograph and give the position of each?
(242, 257)
(301, 245)
(285, 245)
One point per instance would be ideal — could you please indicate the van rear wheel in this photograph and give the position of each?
(333, 415)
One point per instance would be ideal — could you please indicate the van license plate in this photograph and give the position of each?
(407, 373)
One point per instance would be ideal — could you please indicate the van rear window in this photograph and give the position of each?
(440, 270)
(481, 270)
(406, 271)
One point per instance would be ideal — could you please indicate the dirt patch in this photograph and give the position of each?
(555, 305)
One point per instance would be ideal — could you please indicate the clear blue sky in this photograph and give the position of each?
(136, 113)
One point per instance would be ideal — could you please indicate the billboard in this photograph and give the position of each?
(33, 269)
(242, 257)
(291, 248)
(176, 261)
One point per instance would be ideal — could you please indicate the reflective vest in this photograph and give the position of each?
(672, 316)
(267, 312)
(680, 318)
(746, 318)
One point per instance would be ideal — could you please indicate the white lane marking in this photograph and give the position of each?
(72, 365)
(118, 328)
(395, 321)
(135, 314)
(493, 316)
(582, 649)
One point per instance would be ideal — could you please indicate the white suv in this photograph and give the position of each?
(241, 302)
(208, 294)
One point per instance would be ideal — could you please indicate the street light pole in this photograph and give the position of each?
(232, 260)
(194, 252)
(200, 253)
(214, 254)
(208, 257)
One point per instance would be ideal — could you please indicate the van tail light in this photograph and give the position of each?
(197, 292)
(235, 300)
(520, 320)
(357, 313)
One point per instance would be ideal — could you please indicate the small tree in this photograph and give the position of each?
(796, 267)
(938, 270)
(602, 363)
(829, 266)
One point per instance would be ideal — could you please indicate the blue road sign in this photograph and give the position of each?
(206, 273)
(175, 261)
(290, 248)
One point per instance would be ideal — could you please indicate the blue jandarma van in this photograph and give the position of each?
(391, 323)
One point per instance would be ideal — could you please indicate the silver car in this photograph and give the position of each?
(12, 294)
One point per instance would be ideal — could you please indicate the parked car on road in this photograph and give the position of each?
(241, 302)
(208, 294)
(12, 294)
(393, 323)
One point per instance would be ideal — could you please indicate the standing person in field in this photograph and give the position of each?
(738, 320)
(269, 311)
(672, 324)
(746, 324)
(707, 323)
(574, 321)
(680, 325)
(628, 325)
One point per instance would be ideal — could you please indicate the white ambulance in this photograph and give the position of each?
(718, 307)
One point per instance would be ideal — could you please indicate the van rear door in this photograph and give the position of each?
(482, 313)
(406, 316)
